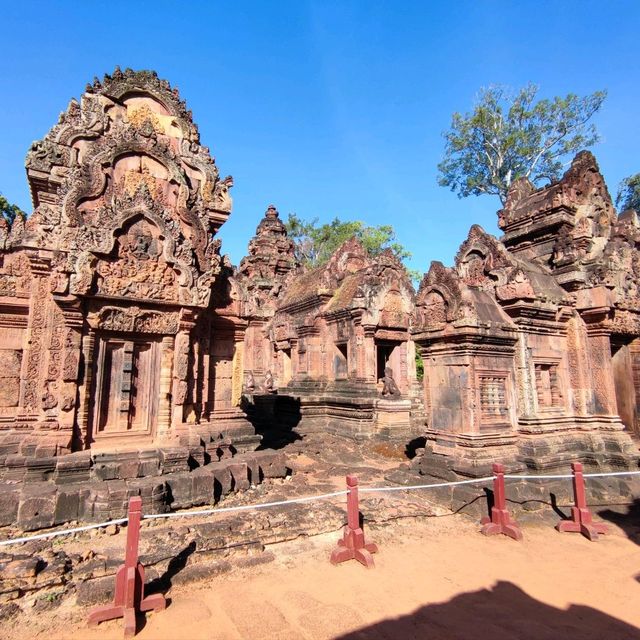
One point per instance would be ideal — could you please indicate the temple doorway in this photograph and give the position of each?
(387, 352)
(127, 375)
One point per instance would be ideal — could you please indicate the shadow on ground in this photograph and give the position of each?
(504, 612)
(626, 517)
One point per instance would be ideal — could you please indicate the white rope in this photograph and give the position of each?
(247, 507)
(425, 486)
(63, 532)
(612, 473)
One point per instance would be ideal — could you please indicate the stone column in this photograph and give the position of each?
(369, 355)
(85, 392)
(167, 345)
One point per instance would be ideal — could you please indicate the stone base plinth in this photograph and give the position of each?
(392, 418)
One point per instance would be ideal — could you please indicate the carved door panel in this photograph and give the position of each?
(127, 380)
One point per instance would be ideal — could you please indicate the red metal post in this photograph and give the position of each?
(581, 519)
(500, 522)
(352, 546)
(129, 596)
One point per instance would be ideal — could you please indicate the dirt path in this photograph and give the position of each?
(436, 579)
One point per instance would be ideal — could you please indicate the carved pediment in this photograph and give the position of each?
(139, 268)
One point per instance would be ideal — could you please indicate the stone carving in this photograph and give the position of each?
(389, 386)
(138, 270)
(249, 383)
(134, 319)
(269, 384)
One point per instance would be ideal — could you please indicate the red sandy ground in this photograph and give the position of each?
(436, 579)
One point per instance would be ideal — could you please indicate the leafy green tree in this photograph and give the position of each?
(10, 211)
(314, 243)
(509, 135)
(629, 194)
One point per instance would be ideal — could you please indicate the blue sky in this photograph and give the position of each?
(327, 108)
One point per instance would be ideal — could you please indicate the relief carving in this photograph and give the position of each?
(138, 270)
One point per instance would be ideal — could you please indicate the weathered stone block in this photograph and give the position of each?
(73, 467)
(37, 506)
(39, 469)
(272, 464)
(15, 465)
(174, 459)
(202, 486)
(95, 591)
(153, 492)
(149, 462)
(180, 487)
(240, 476)
(67, 505)
(9, 500)
(253, 469)
(223, 480)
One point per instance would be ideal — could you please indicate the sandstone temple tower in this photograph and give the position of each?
(105, 290)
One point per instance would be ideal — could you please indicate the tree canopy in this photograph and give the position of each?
(10, 211)
(629, 194)
(510, 135)
(314, 243)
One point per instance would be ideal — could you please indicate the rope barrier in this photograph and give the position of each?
(426, 486)
(62, 532)
(246, 507)
(612, 473)
(265, 505)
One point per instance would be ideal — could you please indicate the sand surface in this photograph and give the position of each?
(435, 579)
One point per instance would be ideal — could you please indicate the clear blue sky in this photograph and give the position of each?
(327, 108)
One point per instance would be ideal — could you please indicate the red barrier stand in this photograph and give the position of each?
(352, 546)
(500, 522)
(129, 595)
(581, 519)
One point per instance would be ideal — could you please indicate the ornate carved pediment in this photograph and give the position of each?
(139, 269)
(128, 147)
(517, 287)
(135, 319)
(482, 260)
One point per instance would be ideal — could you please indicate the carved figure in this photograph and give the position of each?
(250, 383)
(268, 382)
(389, 386)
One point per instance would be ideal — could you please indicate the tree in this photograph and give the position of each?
(629, 194)
(10, 211)
(315, 243)
(509, 135)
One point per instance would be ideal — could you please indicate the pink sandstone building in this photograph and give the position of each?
(136, 358)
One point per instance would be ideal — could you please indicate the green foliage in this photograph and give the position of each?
(10, 211)
(419, 366)
(509, 135)
(629, 194)
(315, 243)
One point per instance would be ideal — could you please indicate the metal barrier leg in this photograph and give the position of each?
(353, 546)
(129, 596)
(581, 518)
(500, 521)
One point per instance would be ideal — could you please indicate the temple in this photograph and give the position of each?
(130, 347)
(529, 343)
